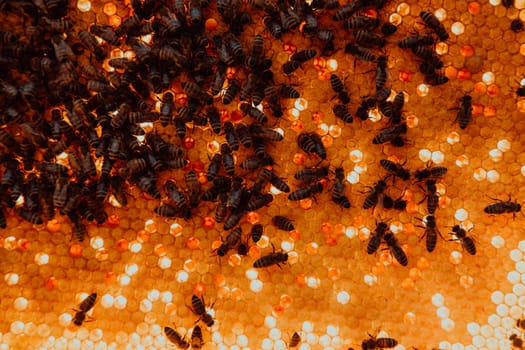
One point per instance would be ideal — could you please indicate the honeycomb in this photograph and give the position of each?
(145, 268)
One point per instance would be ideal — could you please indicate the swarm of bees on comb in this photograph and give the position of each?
(197, 109)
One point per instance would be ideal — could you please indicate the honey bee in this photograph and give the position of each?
(378, 343)
(84, 307)
(296, 339)
(431, 232)
(282, 223)
(198, 307)
(376, 237)
(398, 253)
(460, 234)
(273, 258)
(175, 338)
(434, 24)
(502, 207)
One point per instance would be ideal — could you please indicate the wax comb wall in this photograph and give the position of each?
(262, 174)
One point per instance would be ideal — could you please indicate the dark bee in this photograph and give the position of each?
(221, 209)
(373, 196)
(416, 40)
(175, 195)
(231, 91)
(388, 29)
(431, 196)
(465, 111)
(517, 342)
(502, 207)
(273, 258)
(62, 50)
(228, 161)
(306, 191)
(259, 202)
(378, 343)
(256, 232)
(92, 45)
(214, 167)
(434, 24)
(389, 134)
(166, 211)
(376, 237)
(231, 136)
(460, 234)
(430, 173)
(253, 112)
(296, 339)
(283, 223)
(236, 194)
(341, 112)
(105, 32)
(362, 22)
(233, 219)
(175, 338)
(196, 338)
(520, 323)
(265, 133)
(303, 55)
(346, 11)
(337, 85)
(396, 251)
(29, 215)
(431, 232)
(311, 174)
(368, 39)
(395, 169)
(166, 109)
(279, 183)
(381, 72)
(360, 53)
(232, 239)
(311, 143)
(198, 307)
(274, 27)
(338, 195)
(84, 307)
(290, 67)
(244, 135)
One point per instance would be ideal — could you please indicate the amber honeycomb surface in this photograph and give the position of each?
(145, 268)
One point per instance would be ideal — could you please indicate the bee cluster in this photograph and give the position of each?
(80, 126)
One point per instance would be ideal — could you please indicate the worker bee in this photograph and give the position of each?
(517, 342)
(105, 32)
(361, 53)
(416, 40)
(198, 307)
(84, 307)
(175, 338)
(311, 143)
(374, 343)
(341, 112)
(502, 207)
(296, 339)
(430, 173)
(253, 112)
(337, 85)
(306, 191)
(265, 133)
(273, 258)
(338, 195)
(464, 115)
(390, 134)
(283, 223)
(373, 195)
(362, 22)
(434, 24)
(256, 232)
(303, 55)
(231, 91)
(431, 232)
(311, 174)
(395, 169)
(368, 39)
(346, 11)
(290, 67)
(460, 234)
(396, 251)
(196, 338)
(376, 237)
